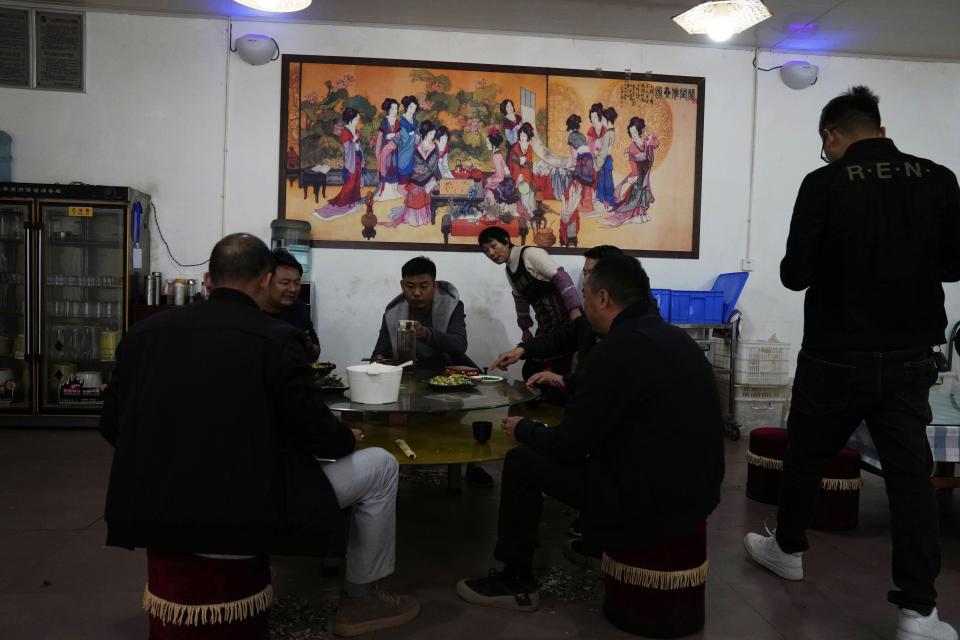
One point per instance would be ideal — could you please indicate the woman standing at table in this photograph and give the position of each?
(349, 197)
(408, 138)
(537, 281)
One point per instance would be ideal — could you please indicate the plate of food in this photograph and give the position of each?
(485, 379)
(332, 384)
(321, 369)
(455, 381)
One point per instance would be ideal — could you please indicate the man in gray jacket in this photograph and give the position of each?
(435, 306)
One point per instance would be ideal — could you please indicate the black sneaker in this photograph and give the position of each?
(478, 478)
(576, 553)
(501, 591)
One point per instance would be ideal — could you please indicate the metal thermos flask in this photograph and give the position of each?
(150, 288)
(158, 287)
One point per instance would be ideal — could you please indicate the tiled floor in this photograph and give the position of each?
(58, 581)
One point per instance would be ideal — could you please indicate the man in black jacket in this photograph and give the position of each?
(216, 421)
(283, 302)
(872, 237)
(572, 339)
(639, 449)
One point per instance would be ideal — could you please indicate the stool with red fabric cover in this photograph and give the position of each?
(839, 506)
(191, 597)
(768, 445)
(658, 591)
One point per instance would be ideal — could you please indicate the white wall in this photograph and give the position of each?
(169, 110)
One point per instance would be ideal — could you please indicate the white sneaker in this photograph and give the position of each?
(913, 626)
(766, 552)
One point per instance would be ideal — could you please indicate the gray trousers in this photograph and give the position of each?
(366, 481)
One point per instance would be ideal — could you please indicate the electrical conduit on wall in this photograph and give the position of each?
(226, 131)
(753, 155)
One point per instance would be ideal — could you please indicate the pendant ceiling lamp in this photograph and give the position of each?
(720, 19)
(276, 6)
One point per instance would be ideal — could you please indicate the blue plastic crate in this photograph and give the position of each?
(662, 296)
(696, 307)
(730, 284)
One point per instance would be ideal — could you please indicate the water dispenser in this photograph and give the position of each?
(294, 236)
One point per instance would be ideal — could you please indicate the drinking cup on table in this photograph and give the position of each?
(482, 430)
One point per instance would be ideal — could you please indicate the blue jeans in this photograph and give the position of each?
(833, 391)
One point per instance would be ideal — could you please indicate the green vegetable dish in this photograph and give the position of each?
(456, 380)
(331, 381)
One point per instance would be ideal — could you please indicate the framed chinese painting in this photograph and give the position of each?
(399, 154)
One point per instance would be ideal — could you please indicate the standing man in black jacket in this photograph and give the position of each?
(216, 421)
(872, 238)
(639, 449)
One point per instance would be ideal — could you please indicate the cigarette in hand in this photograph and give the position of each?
(407, 451)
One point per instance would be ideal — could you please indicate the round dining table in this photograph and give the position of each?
(436, 423)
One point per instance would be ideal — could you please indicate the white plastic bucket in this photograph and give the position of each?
(374, 383)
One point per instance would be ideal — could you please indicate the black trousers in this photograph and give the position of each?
(833, 392)
(527, 475)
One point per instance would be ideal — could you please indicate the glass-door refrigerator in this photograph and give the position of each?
(75, 261)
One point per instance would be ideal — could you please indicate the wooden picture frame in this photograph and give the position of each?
(381, 182)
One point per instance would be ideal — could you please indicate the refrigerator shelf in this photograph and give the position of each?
(93, 244)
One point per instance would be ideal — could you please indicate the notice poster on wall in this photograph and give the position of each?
(14, 47)
(59, 50)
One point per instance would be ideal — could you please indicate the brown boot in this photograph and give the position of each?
(375, 610)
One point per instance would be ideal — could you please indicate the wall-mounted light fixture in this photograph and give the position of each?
(276, 6)
(799, 74)
(254, 48)
(720, 19)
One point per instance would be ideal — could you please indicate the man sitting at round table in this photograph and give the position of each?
(639, 449)
(282, 300)
(435, 307)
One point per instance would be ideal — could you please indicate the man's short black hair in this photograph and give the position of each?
(494, 233)
(602, 251)
(623, 278)
(855, 110)
(421, 265)
(283, 258)
(239, 258)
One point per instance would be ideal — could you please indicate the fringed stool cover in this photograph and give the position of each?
(839, 506)
(765, 462)
(191, 597)
(658, 591)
